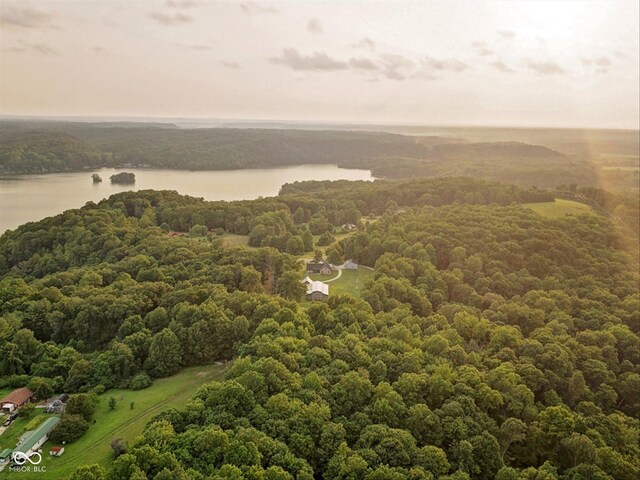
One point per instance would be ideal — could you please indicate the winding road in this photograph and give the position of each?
(336, 277)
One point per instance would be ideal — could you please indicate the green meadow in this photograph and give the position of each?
(123, 421)
(351, 282)
(559, 208)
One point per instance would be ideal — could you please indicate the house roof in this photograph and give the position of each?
(318, 286)
(56, 449)
(318, 265)
(31, 438)
(5, 453)
(18, 396)
(58, 399)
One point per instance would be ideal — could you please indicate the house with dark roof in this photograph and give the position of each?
(57, 404)
(16, 399)
(322, 268)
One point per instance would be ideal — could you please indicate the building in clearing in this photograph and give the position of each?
(348, 227)
(321, 268)
(15, 399)
(317, 291)
(31, 441)
(350, 265)
(306, 281)
(56, 451)
(57, 404)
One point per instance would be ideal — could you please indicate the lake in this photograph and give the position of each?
(27, 198)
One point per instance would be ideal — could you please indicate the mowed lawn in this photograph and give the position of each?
(351, 282)
(559, 208)
(11, 435)
(124, 422)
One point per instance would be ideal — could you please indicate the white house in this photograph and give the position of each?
(350, 265)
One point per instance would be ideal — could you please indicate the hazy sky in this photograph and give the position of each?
(505, 62)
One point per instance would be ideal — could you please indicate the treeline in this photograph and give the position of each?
(24, 150)
(624, 208)
(373, 197)
(301, 209)
(287, 222)
(59, 146)
(509, 162)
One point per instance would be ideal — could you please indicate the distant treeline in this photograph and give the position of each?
(30, 147)
(624, 209)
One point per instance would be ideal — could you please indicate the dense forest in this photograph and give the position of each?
(490, 342)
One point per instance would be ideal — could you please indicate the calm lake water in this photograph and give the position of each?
(26, 198)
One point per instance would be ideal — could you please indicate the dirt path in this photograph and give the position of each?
(336, 277)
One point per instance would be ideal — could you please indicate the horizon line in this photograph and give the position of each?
(168, 119)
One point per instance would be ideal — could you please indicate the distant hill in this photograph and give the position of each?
(47, 146)
(32, 150)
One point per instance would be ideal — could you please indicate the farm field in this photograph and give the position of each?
(559, 208)
(95, 445)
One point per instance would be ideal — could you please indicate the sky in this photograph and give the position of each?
(551, 63)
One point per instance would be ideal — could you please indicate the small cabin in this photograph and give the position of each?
(56, 451)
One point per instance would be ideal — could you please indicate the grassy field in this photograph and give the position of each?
(11, 435)
(559, 208)
(95, 445)
(234, 240)
(350, 282)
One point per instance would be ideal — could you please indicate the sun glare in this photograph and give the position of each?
(548, 18)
